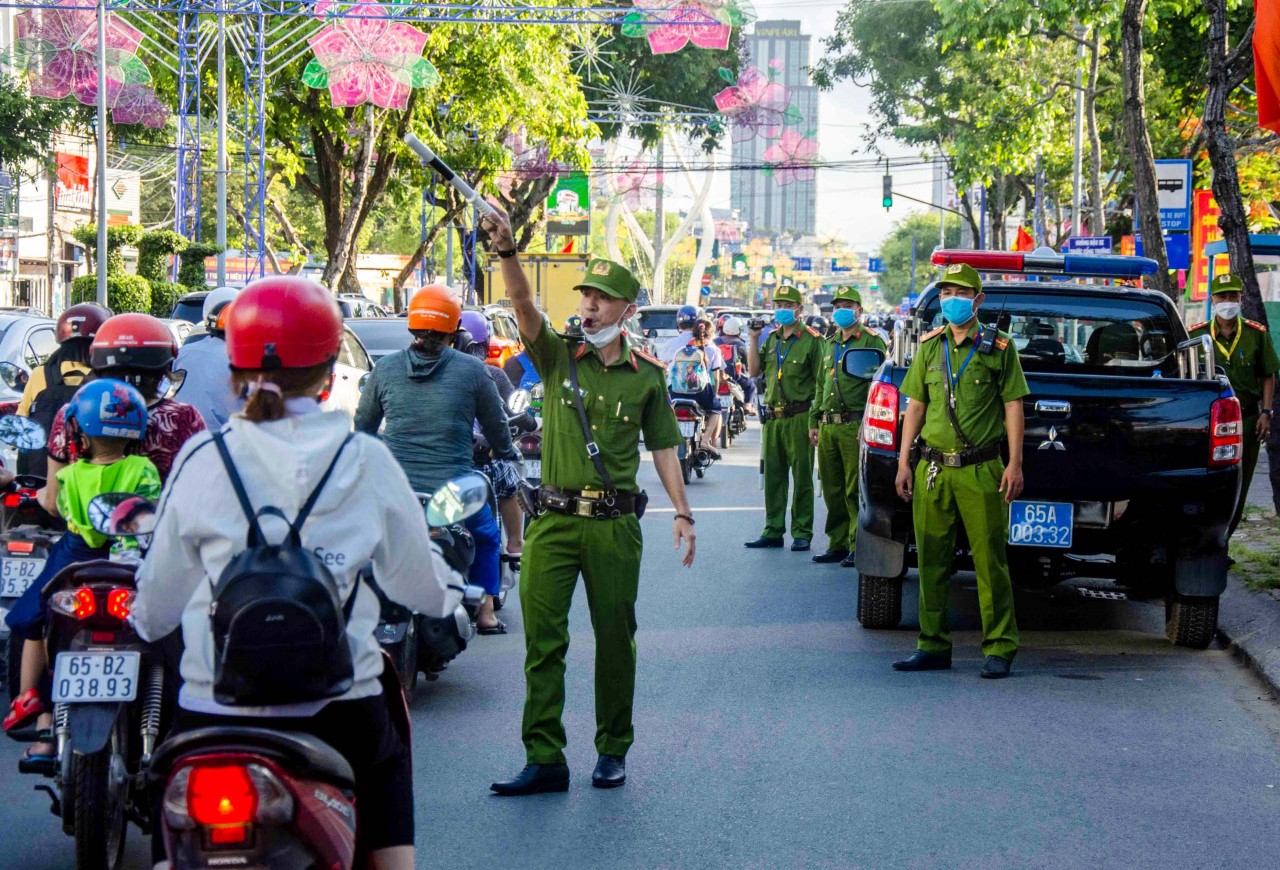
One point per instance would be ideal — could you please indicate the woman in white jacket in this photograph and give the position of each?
(282, 340)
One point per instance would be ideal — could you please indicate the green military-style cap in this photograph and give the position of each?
(848, 294)
(788, 293)
(1227, 284)
(961, 275)
(610, 278)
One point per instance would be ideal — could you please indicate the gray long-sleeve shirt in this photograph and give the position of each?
(429, 404)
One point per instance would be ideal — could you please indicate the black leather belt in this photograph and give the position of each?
(782, 412)
(972, 456)
(591, 503)
(841, 417)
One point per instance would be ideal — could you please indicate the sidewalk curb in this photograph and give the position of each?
(1250, 623)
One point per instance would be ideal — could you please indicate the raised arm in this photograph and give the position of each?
(513, 276)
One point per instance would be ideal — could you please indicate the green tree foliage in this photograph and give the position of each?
(120, 236)
(895, 250)
(191, 270)
(30, 125)
(154, 249)
(125, 292)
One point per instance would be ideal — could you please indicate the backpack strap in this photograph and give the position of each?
(296, 526)
(256, 537)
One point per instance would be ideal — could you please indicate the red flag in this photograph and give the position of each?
(1024, 241)
(568, 249)
(1266, 62)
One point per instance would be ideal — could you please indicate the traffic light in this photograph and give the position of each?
(887, 197)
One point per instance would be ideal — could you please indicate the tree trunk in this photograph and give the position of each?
(1233, 219)
(341, 250)
(1141, 158)
(451, 213)
(1095, 141)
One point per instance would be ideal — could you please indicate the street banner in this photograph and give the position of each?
(1203, 231)
(741, 269)
(569, 207)
(768, 276)
(1266, 63)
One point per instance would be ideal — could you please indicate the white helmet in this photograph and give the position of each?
(215, 302)
(732, 326)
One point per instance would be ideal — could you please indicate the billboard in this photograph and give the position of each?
(1204, 229)
(569, 206)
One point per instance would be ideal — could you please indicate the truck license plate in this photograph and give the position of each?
(1041, 523)
(95, 677)
(17, 574)
(687, 428)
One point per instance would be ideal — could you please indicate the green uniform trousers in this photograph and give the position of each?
(1248, 462)
(607, 554)
(970, 495)
(787, 449)
(838, 471)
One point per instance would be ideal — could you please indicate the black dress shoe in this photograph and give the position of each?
(996, 668)
(763, 543)
(610, 772)
(830, 556)
(849, 561)
(923, 661)
(800, 545)
(535, 779)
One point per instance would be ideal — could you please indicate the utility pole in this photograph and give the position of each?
(102, 152)
(222, 152)
(52, 257)
(659, 230)
(1077, 135)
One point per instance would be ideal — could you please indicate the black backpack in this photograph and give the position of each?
(279, 624)
(44, 408)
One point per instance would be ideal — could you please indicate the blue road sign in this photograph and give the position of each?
(1088, 245)
(1173, 193)
(875, 264)
(1177, 247)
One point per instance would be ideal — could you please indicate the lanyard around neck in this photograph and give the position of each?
(946, 352)
(782, 357)
(1226, 352)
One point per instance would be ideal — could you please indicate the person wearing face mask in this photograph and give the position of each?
(837, 415)
(791, 360)
(1245, 352)
(966, 387)
(602, 394)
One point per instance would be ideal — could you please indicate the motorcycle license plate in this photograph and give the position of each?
(95, 677)
(687, 428)
(533, 468)
(1041, 523)
(17, 574)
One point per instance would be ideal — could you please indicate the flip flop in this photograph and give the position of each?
(500, 628)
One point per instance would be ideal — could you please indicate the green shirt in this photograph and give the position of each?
(621, 400)
(82, 482)
(989, 381)
(1248, 361)
(837, 391)
(800, 359)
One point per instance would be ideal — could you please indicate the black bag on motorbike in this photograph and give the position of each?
(44, 408)
(279, 623)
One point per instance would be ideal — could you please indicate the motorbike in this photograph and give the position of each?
(734, 414)
(694, 460)
(250, 797)
(26, 534)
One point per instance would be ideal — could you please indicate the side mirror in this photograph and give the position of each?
(14, 375)
(519, 402)
(172, 383)
(862, 362)
(22, 432)
(364, 379)
(122, 515)
(458, 499)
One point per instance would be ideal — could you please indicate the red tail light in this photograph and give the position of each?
(221, 796)
(79, 603)
(120, 603)
(1226, 433)
(12, 499)
(20, 546)
(724, 388)
(880, 423)
(530, 444)
(685, 414)
(226, 799)
(494, 351)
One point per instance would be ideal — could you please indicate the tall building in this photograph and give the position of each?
(767, 208)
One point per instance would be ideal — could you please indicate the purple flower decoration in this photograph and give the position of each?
(670, 25)
(791, 158)
(58, 49)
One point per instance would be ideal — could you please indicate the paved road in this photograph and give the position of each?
(772, 733)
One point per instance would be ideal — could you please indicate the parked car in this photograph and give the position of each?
(381, 335)
(355, 306)
(180, 329)
(352, 366)
(26, 340)
(658, 321)
(190, 307)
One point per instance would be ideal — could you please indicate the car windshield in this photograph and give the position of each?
(381, 337)
(1104, 335)
(192, 312)
(658, 319)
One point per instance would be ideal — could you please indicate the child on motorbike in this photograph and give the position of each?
(106, 420)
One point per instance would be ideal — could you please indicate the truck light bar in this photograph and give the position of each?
(1045, 261)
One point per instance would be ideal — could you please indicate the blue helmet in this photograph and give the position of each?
(107, 408)
(686, 314)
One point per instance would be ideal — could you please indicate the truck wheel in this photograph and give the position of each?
(879, 601)
(1189, 620)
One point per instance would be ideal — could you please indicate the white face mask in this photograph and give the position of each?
(605, 334)
(1227, 310)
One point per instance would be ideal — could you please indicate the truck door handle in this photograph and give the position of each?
(1052, 408)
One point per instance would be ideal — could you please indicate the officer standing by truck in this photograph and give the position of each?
(966, 386)
(601, 395)
(792, 364)
(837, 415)
(1244, 350)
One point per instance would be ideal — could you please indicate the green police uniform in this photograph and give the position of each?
(1249, 359)
(837, 415)
(970, 494)
(621, 401)
(792, 374)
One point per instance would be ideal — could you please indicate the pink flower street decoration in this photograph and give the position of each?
(754, 102)
(636, 179)
(791, 158)
(58, 46)
(138, 104)
(670, 25)
(528, 163)
(366, 57)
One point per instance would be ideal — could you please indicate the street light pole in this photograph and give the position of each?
(102, 152)
(222, 152)
(1077, 135)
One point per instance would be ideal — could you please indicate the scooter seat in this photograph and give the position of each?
(96, 571)
(301, 753)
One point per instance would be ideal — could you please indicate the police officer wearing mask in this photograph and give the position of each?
(1245, 351)
(966, 387)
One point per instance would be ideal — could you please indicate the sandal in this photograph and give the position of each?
(500, 628)
(24, 708)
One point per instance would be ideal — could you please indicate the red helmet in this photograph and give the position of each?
(81, 321)
(284, 322)
(132, 341)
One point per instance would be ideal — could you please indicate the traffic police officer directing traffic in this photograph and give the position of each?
(966, 386)
(601, 394)
(793, 359)
(837, 415)
(1244, 350)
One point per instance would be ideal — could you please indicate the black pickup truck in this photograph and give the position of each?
(1131, 454)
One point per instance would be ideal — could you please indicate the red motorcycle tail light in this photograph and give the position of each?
(20, 547)
(12, 499)
(221, 796)
(120, 603)
(685, 413)
(79, 603)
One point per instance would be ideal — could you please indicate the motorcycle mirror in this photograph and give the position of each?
(14, 375)
(22, 432)
(519, 402)
(862, 362)
(364, 379)
(122, 515)
(458, 499)
(172, 383)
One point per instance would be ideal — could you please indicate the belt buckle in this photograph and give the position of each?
(584, 508)
(591, 493)
(952, 460)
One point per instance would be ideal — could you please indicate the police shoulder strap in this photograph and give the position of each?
(593, 449)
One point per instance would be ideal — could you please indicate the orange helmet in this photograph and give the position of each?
(435, 308)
